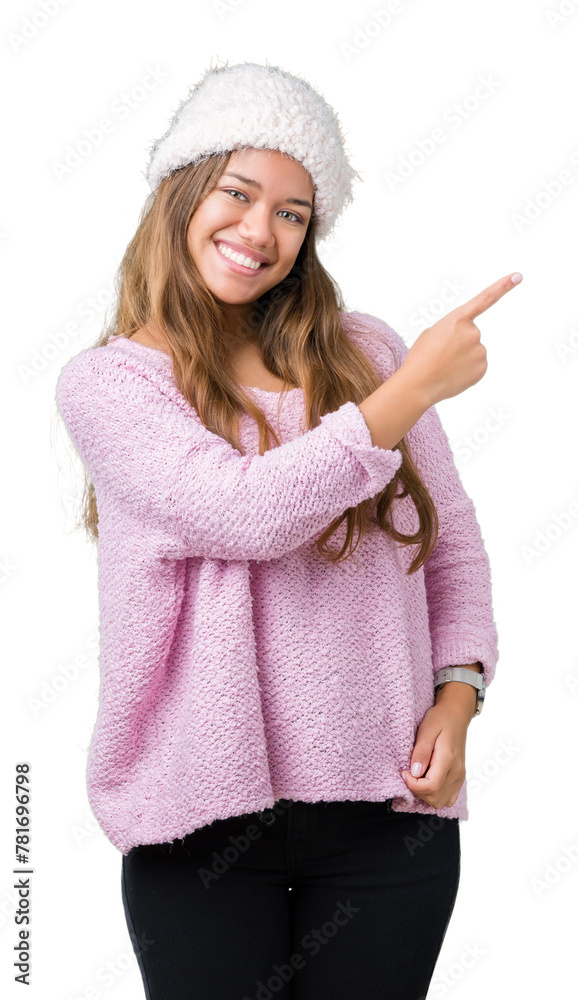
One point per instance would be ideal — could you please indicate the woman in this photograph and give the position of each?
(264, 694)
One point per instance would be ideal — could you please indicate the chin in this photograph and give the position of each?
(225, 295)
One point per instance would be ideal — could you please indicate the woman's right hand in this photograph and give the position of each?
(448, 357)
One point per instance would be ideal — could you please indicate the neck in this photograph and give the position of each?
(237, 330)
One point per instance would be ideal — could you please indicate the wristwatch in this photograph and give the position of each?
(468, 677)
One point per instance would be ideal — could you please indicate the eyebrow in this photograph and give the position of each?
(255, 184)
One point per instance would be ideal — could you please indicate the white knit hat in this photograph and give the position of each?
(249, 105)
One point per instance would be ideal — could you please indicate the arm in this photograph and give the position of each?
(460, 698)
(439, 754)
(393, 409)
(154, 463)
(457, 573)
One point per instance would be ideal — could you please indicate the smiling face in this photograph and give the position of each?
(260, 208)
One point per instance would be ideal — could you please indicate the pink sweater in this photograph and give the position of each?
(238, 666)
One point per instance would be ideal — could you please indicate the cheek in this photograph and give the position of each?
(200, 223)
(200, 230)
(211, 215)
(290, 254)
(195, 244)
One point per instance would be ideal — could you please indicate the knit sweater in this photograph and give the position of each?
(237, 665)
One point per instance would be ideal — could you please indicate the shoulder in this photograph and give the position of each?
(112, 374)
(114, 359)
(92, 365)
(377, 338)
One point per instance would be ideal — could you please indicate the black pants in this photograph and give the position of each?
(308, 901)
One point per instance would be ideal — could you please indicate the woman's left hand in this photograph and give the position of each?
(440, 747)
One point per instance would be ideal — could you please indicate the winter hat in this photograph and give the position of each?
(249, 105)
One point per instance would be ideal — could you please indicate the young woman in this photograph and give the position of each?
(295, 599)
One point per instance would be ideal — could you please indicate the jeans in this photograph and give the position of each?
(309, 901)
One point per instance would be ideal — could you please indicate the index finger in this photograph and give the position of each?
(490, 295)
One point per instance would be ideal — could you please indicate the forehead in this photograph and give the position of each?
(266, 165)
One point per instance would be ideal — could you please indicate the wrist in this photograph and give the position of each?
(393, 409)
(459, 697)
(421, 386)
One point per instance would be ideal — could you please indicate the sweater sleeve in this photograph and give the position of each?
(457, 573)
(159, 470)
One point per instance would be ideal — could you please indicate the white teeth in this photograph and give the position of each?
(239, 258)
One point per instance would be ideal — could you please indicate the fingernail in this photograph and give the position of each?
(416, 769)
(516, 278)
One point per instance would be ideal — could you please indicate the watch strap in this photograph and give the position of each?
(466, 676)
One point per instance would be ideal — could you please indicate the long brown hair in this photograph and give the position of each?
(296, 325)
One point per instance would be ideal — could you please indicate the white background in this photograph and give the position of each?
(474, 209)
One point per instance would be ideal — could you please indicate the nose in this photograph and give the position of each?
(255, 227)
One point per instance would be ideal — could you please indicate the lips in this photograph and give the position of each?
(233, 266)
(239, 248)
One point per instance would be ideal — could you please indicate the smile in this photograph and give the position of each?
(239, 258)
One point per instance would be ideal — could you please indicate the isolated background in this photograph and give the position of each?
(499, 194)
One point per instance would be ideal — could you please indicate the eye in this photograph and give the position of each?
(233, 191)
(293, 214)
